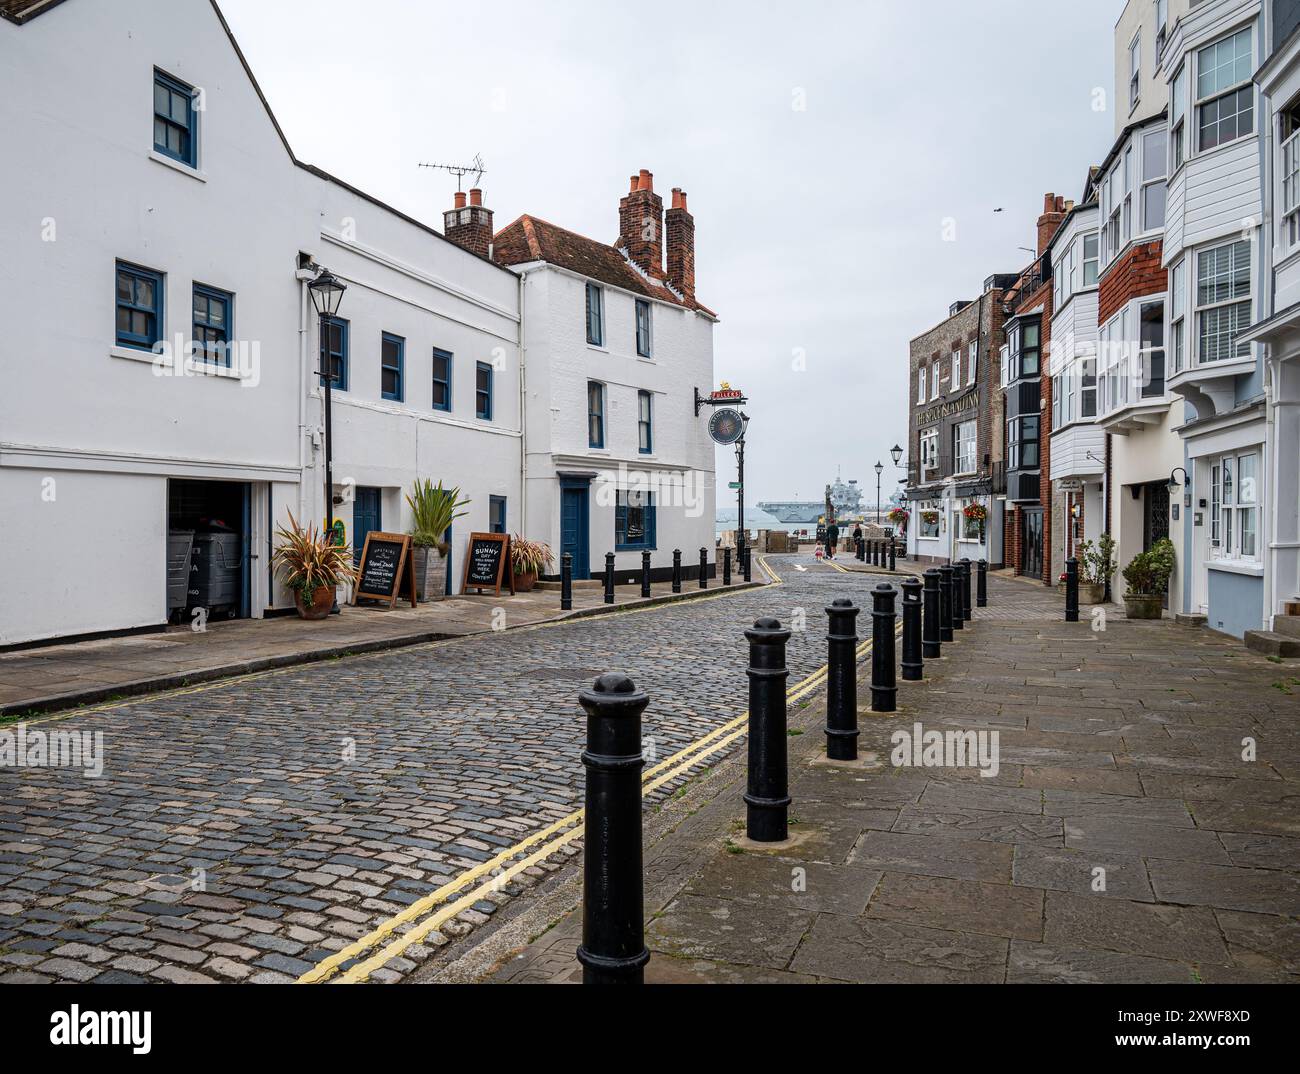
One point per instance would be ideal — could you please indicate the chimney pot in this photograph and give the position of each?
(476, 196)
(646, 181)
(470, 228)
(460, 199)
(635, 180)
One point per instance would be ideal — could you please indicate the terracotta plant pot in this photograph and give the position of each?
(322, 600)
(1143, 606)
(524, 582)
(430, 574)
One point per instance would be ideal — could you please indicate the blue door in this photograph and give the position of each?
(574, 526)
(367, 515)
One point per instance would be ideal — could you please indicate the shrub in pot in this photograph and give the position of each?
(312, 566)
(1147, 576)
(433, 510)
(1096, 565)
(528, 559)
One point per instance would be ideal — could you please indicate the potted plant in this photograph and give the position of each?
(433, 510)
(312, 566)
(1147, 576)
(528, 559)
(1096, 566)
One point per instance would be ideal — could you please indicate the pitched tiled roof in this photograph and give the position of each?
(531, 239)
(20, 11)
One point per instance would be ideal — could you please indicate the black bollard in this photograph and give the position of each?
(982, 584)
(726, 566)
(912, 663)
(945, 603)
(932, 634)
(609, 577)
(704, 568)
(1071, 590)
(677, 570)
(645, 574)
(893, 555)
(767, 798)
(566, 582)
(958, 612)
(613, 947)
(967, 610)
(746, 560)
(884, 691)
(859, 553)
(842, 681)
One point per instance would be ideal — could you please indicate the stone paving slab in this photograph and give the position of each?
(1125, 838)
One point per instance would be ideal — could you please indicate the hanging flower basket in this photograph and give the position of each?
(899, 516)
(975, 512)
(930, 518)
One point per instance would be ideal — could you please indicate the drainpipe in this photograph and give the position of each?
(304, 346)
(1268, 514)
(1105, 493)
(523, 413)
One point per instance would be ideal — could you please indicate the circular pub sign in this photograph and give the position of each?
(726, 426)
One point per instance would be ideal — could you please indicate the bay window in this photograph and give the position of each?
(1090, 259)
(1223, 301)
(1151, 353)
(1088, 388)
(1290, 161)
(1022, 443)
(1178, 119)
(1178, 313)
(1154, 158)
(1225, 94)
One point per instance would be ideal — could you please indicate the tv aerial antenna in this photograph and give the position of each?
(477, 168)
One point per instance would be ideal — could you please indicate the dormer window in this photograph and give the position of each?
(175, 121)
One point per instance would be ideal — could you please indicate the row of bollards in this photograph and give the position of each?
(613, 947)
(566, 573)
(883, 554)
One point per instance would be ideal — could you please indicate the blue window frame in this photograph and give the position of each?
(643, 328)
(334, 351)
(441, 379)
(175, 119)
(139, 307)
(595, 414)
(483, 391)
(392, 359)
(634, 521)
(595, 315)
(644, 423)
(496, 514)
(213, 328)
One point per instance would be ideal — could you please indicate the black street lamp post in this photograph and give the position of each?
(327, 295)
(880, 469)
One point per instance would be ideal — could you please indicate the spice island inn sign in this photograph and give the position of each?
(969, 401)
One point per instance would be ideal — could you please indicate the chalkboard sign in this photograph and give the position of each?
(487, 563)
(387, 569)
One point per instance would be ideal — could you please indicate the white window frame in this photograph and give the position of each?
(954, 377)
(965, 455)
(972, 359)
(1135, 71)
(1095, 260)
(1154, 183)
(929, 450)
(1162, 26)
(1176, 343)
(920, 384)
(1230, 510)
(1056, 402)
(1202, 308)
(1086, 360)
(934, 381)
(1218, 93)
(1288, 159)
(1178, 119)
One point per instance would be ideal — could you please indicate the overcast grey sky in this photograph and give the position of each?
(818, 229)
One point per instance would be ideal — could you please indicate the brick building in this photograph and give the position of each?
(955, 460)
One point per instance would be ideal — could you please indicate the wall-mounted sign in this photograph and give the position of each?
(387, 569)
(1069, 484)
(726, 426)
(726, 394)
(969, 401)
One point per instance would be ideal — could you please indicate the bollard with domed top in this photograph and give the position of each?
(609, 577)
(1071, 590)
(932, 631)
(912, 665)
(982, 584)
(747, 556)
(704, 568)
(613, 947)
(566, 582)
(958, 613)
(967, 610)
(884, 688)
(726, 566)
(893, 555)
(945, 603)
(767, 798)
(842, 681)
(645, 574)
(677, 570)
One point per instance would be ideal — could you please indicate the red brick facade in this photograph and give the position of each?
(679, 231)
(641, 225)
(1134, 274)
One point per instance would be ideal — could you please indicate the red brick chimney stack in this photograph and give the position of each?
(641, 225)
(469, 226)
(1054, 210)
(679, 226)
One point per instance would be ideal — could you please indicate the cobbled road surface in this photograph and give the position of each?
(245, 831)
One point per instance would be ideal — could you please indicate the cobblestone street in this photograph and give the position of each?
(249, 830)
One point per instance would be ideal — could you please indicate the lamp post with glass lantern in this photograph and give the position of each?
(327, 295)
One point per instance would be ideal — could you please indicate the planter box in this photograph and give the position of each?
(430, 574)
(1089, 592)
(1143, 607)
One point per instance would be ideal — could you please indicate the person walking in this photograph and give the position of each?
(832, 538)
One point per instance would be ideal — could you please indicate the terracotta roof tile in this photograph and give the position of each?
(532, 239)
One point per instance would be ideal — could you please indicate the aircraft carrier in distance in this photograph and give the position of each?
(845, 497)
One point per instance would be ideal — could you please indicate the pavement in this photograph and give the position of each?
(352, 819)
(58, 677)
(1142, 826)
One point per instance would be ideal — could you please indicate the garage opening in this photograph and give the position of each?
(208, 546)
